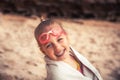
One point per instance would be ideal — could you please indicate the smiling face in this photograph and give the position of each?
(56, 44)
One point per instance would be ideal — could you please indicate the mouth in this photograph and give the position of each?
(61, 53)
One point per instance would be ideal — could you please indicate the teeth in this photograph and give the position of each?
(60, 54)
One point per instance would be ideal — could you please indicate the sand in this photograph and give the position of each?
(20, 58)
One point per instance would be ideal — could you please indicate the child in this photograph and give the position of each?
(62, 61)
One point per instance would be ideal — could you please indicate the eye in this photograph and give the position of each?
(60, 39)
(48, 45)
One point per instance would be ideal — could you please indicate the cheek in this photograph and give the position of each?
(48, 52)
(42, 50)
(66, 42)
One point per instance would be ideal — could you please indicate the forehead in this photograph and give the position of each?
(52, 26)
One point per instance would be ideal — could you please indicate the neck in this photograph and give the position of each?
(72, 61)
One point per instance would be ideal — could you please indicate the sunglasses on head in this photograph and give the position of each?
(45, 37)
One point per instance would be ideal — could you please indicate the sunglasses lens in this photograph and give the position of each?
(43, 38)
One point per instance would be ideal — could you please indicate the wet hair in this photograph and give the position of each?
(41, 27)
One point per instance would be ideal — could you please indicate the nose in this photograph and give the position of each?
(57, 48)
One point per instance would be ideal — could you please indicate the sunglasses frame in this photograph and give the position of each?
(54, 32)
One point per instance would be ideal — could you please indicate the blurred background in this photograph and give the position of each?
(98, 9)
(93, 28)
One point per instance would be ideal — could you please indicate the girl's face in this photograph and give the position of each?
(55, 43)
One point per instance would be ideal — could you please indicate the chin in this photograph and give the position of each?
(61, 58)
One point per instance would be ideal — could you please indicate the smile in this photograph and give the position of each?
(61, 53)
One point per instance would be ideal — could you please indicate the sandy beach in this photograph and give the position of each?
(20, 58)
